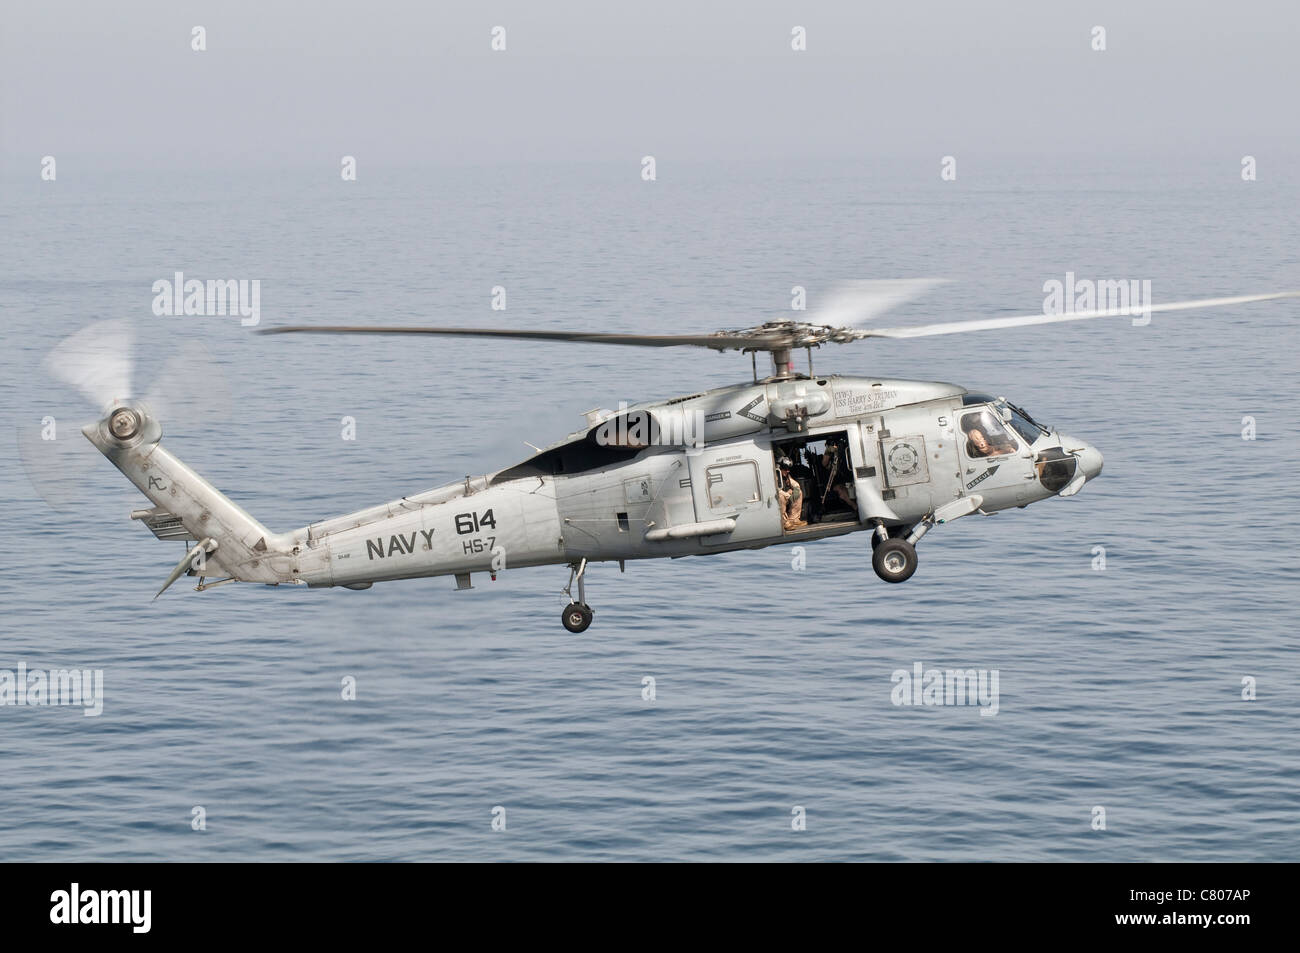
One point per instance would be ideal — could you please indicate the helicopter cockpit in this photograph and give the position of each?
(991, 425)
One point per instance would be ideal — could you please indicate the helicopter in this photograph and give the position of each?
(789, 457)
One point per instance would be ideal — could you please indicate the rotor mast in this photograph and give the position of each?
(782, 363)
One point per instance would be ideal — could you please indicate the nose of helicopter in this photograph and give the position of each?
(1089, 466)
(1090, 460)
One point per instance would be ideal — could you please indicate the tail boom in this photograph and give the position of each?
(245, 550)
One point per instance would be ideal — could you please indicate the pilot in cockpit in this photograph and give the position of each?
(990, 442)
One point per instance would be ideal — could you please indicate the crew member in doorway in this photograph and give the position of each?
(789, 495)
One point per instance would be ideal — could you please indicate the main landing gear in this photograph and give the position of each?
(894, 556)
(577, 615)
(894, 559)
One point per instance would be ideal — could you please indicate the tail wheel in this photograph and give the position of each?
(894, 560)
(576, 617)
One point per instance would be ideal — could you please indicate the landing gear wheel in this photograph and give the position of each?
(894, 560)
(576, 617)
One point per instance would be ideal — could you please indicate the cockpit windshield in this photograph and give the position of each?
(1019, 419)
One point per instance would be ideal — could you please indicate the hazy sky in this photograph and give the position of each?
(407, 82)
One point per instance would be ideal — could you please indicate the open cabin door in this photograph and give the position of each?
(735, 483)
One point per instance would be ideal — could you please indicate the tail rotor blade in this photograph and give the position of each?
(95, 361)
(190, 390)
(57, 460)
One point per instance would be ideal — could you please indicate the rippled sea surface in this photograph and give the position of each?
(1120, 688)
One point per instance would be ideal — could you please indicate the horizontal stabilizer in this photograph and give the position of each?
(163, 524)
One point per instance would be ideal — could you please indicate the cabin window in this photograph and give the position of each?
(732, 484)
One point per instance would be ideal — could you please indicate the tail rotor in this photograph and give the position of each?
(97, 364)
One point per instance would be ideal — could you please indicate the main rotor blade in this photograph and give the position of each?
(853, 303)
(991, 324)
(717, 341)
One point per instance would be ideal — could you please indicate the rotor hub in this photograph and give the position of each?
(124, 423)
(791, 335)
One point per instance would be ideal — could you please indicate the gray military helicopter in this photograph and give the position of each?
(786, 458)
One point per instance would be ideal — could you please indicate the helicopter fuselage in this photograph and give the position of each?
(691, 476)
(697, 475)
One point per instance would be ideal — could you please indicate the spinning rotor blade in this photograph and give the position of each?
(56, 458)
(189, 392)
(719, 341)
(96, 361)
(990, 324)
(854, 302)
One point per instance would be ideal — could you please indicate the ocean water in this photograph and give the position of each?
(1119, 688)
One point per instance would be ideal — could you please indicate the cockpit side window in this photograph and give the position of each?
(986, 436)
